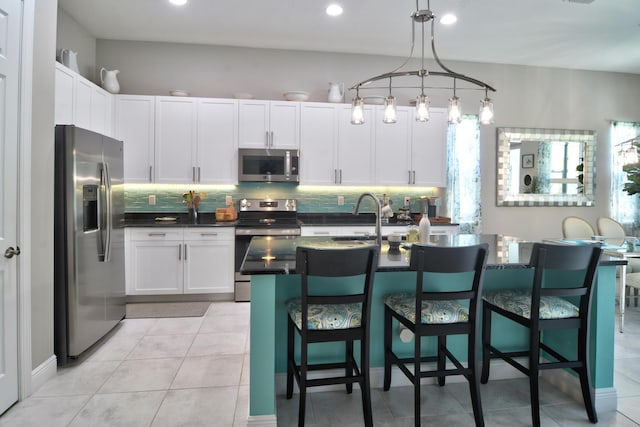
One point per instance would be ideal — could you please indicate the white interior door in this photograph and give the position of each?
(10, 21)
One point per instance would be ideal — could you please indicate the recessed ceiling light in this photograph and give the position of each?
(448, 19)
(334, 10)
(178, 2)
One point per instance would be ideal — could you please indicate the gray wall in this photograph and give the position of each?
(527, 96)
(41, 215)
(75, 37)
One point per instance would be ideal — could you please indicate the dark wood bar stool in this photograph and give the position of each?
(344, 315)
(541, 308)
(439, 313)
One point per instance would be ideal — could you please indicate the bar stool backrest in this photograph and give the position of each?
(336, 263)
(547, 257)
(433, 259)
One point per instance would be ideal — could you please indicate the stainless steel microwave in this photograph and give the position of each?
(268, 165)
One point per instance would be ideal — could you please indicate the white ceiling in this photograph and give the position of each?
(603, 35)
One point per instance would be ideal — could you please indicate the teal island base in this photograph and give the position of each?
(268, 335)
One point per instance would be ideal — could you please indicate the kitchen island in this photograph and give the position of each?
(271, 262)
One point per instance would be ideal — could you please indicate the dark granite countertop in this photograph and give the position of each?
(146, 219)
(346, 218)
(504, 252)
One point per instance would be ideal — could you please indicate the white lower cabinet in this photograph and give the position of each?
(179, 260)
(368, 230)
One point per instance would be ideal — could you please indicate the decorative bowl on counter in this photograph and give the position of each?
(178, 92)
(296, 95)
(242, 95)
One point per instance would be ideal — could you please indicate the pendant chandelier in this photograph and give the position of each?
(422, 17)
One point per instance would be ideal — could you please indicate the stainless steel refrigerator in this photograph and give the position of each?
(89, 286)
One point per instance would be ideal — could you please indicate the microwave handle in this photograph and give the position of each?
(287, 163)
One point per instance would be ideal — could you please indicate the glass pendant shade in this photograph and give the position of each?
(486, 112)
(455, 110)
(422, 108)
(357, 111)
(390, 115)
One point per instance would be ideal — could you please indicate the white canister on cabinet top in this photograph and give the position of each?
(109, 80)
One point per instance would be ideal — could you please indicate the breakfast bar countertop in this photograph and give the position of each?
(276, 255)
(174, 219)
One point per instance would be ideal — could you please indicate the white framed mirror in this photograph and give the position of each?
(545, 167)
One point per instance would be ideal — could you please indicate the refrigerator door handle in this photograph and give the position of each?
(100, 214)
(107, 245)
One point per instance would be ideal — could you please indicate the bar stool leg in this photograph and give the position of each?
(585, 377)
(416, 380)
(442, 345)
(290, 356)
(303, 384)
(387, 348)
(366, 382)
(348, 366)
(486, 342)
(474, 381)
(534, 360)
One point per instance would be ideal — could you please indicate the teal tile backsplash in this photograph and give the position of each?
(310, 198)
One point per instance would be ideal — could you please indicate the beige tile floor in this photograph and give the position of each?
(194, 372)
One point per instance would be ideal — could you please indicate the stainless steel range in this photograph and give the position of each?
(261, 217)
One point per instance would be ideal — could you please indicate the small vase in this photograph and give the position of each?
(193, 216)
(424, 228)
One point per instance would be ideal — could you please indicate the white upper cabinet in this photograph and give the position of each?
(65, 95)
(217, 141)
(429, 150)
(355, 148)
(175, 132)
(318, 144)
(333, 151)
(135, 126)
(269, 124)
(80, 102)
(392, 148)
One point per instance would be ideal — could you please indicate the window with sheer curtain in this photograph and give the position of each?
(463, 170)
(624, 208)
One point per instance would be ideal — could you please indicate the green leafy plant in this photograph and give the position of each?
(632, 186)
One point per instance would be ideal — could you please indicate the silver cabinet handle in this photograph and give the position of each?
(409, 177)
(414, 177)
(319, 233)
(340, 181)
(193, 174)
(271, 145)
(198, 173)
(150, 173)
(266, 139)
(156, 234)
(180, 252)
(208, 234)
(335, 176)
(185, 251)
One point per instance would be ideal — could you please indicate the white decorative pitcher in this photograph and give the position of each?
(69, 59)
(109, 80)
(336, 92)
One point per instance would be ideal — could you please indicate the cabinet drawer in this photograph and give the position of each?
(156, 234)
(209, 233)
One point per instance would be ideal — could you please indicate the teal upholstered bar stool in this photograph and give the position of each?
(340, 314)
(540, 309)
(439, 313)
